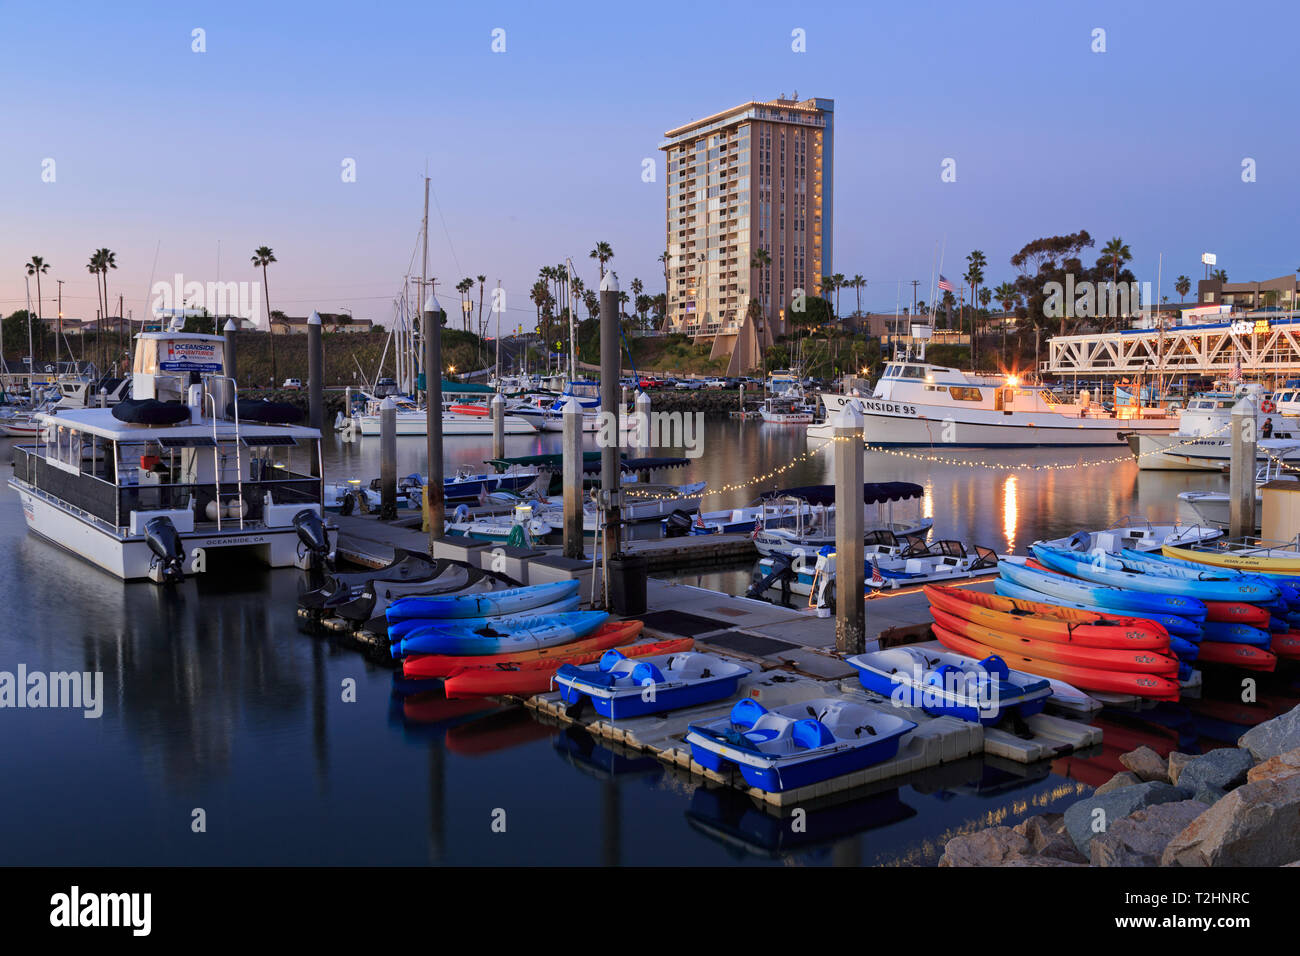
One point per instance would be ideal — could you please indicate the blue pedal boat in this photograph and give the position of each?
(619, 687)
(941, 683)
(799, 744)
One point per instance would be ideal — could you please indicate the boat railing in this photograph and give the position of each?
(247, 503)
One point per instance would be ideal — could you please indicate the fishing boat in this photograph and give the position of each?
(917, 403)
(1212, 507)
(786, 409)
(619, 687)
(797, 745)
(1203, 441)
(943, 684)
(1134, 533)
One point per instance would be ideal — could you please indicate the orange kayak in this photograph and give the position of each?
(1247, 656)
(1286, 645)
(534, 677)
(1048, 622)
(1152, 686)
(441, 665)
(1138, 661)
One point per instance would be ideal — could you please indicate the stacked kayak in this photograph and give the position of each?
(618, 686)
(799, 744)
(503, 636)
(492, 603)
(1049, 621)
(612, 634)
(1155, 577)
(946, 684)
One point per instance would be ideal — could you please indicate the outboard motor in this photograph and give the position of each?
(677, 524)
(168, 565)
(314, 540)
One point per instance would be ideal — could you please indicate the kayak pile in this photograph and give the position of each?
(1092, 650)
(512, 641)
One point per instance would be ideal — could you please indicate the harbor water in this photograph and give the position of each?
(228, 737)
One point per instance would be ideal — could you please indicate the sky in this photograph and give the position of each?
(184, 162)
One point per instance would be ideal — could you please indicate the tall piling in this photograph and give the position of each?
(572, 477)
(850, 602)
(498, 426)
(388, 459)
(231, 330)
(435, 506)
(608, 433)
(1241, 473)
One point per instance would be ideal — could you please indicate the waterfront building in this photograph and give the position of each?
(1280, 293)
(757, 176)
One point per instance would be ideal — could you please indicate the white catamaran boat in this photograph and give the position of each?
(146, 489)
(916, 403)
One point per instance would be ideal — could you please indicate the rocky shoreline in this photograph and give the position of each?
(1234, 806)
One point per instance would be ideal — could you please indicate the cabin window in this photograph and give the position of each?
(146, 356)
(965, 394)
(914, 371)
(65, 449)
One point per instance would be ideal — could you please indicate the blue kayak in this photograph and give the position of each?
(483, 604)
(1232, 633)
(1288, 587)
(1176, 625)
(527, 633)
(1153, 577)
(414, 625)
(1109, 598)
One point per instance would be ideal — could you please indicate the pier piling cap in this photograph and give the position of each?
(314, 319)
(387, 404)
(230, 326)
(431, 306)
(571, 407)
(610, 282)
(850, 417)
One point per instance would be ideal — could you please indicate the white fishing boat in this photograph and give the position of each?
(1213, 507)
(1203, 441)
(916, 403)
(786, 409)
(147, 489)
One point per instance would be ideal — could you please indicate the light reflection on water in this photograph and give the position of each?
(215, 701)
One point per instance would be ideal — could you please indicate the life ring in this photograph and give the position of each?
(1268, 406)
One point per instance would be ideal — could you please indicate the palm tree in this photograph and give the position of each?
(37, 267)
(1007, 297)
(857, 284)
(463, 287)
(1182, 286)
(263, 256)
(482, 281)
(602, 254)
(107, 259)
(1118, 252)
(664, 257)
(840, 283)
(637, 288)
(758, 261)
(1220, 274)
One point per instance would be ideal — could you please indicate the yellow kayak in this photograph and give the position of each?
(1263, 560)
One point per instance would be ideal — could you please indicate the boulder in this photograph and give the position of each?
(1221, 769)
(1283, 765)
(1254, 825)
(1116, 805)
(1273, 737)
(1209, 795)
(996, 846)
(1177, 761)
(1140, 838)
(1048, 837)
(1125, 778)
(1147, 764)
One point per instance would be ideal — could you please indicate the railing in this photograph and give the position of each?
(89, 493)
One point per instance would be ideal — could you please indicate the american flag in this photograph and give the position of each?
(758, 526)
(945, 285)
(875, 574)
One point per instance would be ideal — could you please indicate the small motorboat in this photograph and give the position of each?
(619, 687)
(945, 684)
(797, 745)
(1137, 534)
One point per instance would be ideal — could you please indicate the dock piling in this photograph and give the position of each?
(572, 477)
(608, 434)
(498, 426)
(388, 460)
(232, 349)
(1241, 474)
(434, 493)
(642, 419)
(850, 584)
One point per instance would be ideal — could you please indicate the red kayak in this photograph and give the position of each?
(442, 665)
(1048, 622)
(1235, 612)
(1286, 645)
(1246, 656)
(1151, 686)
(534, 677)
(1128, 660)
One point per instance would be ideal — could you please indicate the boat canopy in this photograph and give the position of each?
(873, 492)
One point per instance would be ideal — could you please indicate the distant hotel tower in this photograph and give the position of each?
(754, 177)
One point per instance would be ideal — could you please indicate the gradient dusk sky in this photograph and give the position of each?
(536, 153)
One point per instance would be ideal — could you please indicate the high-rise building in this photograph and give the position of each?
(756, 177)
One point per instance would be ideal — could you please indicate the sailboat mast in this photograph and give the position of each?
(424, 278)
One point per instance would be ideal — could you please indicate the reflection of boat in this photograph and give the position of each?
(597, 759)
(732, 819)
(493, 732)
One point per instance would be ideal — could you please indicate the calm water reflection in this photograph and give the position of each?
(215, 701)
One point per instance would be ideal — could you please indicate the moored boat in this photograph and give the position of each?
(619, 687)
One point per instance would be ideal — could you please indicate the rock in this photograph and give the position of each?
(1283, 765)
(1140, 838)
(1221, 769)
(1147, 764)
(1209, 795)
(995, 846)
(1177, 761)
(1048, 837)
(1116, 805)
(1123, 779)
(1273, 737)
(1254, 825)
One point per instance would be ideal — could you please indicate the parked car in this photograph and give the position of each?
(690, 383)
(715, 383)
(292, 383)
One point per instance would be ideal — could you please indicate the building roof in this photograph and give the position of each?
(810, 105)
